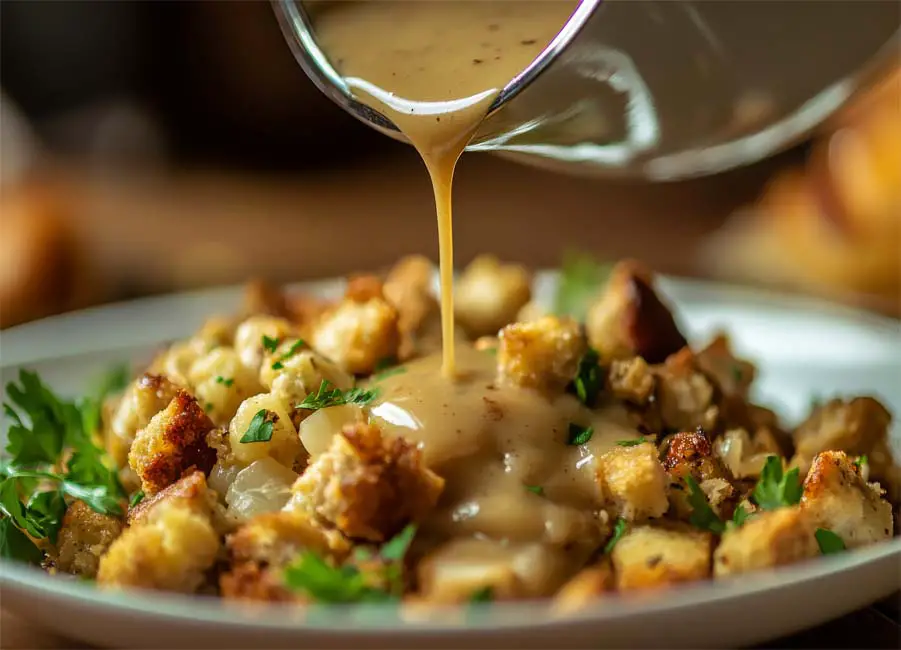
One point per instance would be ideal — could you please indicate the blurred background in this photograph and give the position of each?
(158, 146)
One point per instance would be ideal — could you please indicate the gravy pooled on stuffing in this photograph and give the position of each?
(434, 68)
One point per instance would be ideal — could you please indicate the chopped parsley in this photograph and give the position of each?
(702, 515)
(482, 595)
(326, 397)
(113, 381)
(270, 344)
(861, 461)
(581, 279)
(390, 372)
(632, 443)
(260, 427)
(579, 435)
(280, 362)
(227, 382)
(536, 489)
(15, 545)
(588, 381)
(740, 516)
(829, 542)
(136, 498)
(208, 407)
(396, 548)
(619, 529)
(777, 490)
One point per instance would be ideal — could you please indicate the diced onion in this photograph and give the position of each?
(263, 486)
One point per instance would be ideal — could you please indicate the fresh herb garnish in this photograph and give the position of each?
(619, 529)
(861, 461)
(535, 489)
(588, 381)
(326, 397)
(270, 344)
(112, 382)
(15, 545)
(260, 427)
(279, 364)
(482, 595)
(702, 515)
(579, 435)
(632, 443)
(396, 548)
(391, 372)
(136, 498)
(208, 407)
(829, 542)
(581, 279)
(740, 516)
(775, 489)
(227, 382)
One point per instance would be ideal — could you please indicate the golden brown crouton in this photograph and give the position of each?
(732, 375)
(629, 318)
(689, 453)
(173, 442)
(489, 294)
(170, 548)
(685, 398)
(409, 288)
(634, 481)
(192, 489)
(543, 354)
(262, 298)
(367, 486)
(631, 380)
(84, 537)
(651, 557)
(358, 334)
(837, 498)
(770, 539)
(144, 398)
(260, 549)
(585, 587)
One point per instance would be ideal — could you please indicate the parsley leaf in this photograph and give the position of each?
(861, 461)
(279, 364)
(581, 278)
(269, 343)
(225, 382)
(326, 397)
(631, 443)
(395, 548)
(775, 489)
(740, 516)
(311, 574)
(259, 429)
(15, 545)
(588, 381)
(536, 489)
(579, 435)
(829, 542)
(113, 381)
(482, 595)
(136, 498)
(702, 515)
(619, 529)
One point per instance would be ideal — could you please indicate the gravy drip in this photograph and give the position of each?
(434, 67)
(516, 495)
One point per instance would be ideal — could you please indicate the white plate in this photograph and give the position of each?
(805, 349)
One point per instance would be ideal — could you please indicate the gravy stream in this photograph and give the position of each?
(434, 67)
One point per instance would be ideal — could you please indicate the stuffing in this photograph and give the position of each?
(689, 453)
(292, 372)
(651, 557)
(586, 586)
(193, 491)
(360, 331)
(84, 537)
(837, 497)
(221, 382)
(489, 295)
(216, 332)
(367, 486)
(171, 544)
(409, 288)
(744, 454)
(685, 397)
(634, 482)
(732, 375)
(261, 548)
(262, 412)
(769, 539)
(249, 342)
(543, 354)
(264, 299)
(629, 319)
(145, 397)
(175, 362)
(631, 381)
(173, 442)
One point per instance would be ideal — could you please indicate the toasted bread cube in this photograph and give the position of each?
(629, 319)
(686, 399)
(84, 537)
(367, 486)
(192, 490)
(837, 498)
(145, 397)
(651, 557)
(360, 331)
(249, 338)
(283, 445)
(221, 382)
(772, 538)
(585, 587)
(409, 287)
(260, 549)
(173, 442)
(634, 482)
(689, 453)
(489, 294)
(542, 354)
(171, 544)
(631, 380)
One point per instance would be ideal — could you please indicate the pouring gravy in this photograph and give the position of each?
(434, 68)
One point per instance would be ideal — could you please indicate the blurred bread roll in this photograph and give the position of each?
(833, 225)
